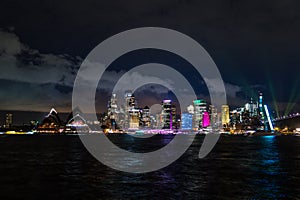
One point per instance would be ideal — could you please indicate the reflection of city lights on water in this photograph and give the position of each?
(269, 136)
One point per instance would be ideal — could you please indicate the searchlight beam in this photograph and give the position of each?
(269, 119)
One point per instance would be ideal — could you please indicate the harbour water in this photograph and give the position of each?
(59, 167)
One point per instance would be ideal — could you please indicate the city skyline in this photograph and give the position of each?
(130, 115)
(23, 117)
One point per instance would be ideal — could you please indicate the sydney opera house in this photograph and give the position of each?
(53, 124)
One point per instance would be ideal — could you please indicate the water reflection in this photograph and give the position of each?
(267, 170)
(238, 168)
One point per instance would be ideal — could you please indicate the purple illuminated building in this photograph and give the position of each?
(205, 120)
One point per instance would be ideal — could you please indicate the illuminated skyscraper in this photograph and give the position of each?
(8, 120)
(199, 109)
(260, 97)
(225, 115)
(190, 109)
(261, 110)
(205, 119)
(159, 121)
(146, 116)
(113, 107)
(132, 114)
(251, 108)
(134, 118)
(113, 112)
(128, 99)
(129, 105)
(186, 121)
(132, 102)
(167, 114)
(173, 116)
(213, 115)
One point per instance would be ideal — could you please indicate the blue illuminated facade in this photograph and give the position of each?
(186, 121)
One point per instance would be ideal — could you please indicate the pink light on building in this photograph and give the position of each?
(205, 120)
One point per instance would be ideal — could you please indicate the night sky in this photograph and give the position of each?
(255, 45)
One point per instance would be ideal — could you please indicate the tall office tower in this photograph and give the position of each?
(213, 116)
(129, 104)
(146, 118)
(132, 102)
(205, 120)
(225, 115)
(159, 121)
(261, 110)
(251, 108)
(240, 112)
(260, 105)
(173, 116)
(186, 121)
(112, 106)
(113, 112)
(127, 97)
(234, 119)
(153, 122)
(8, 120)
(199, 109)
(132, 114)
(167, 114)
(134, 118)
(190, 109)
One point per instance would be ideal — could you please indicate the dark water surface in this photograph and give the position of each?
(59, 167)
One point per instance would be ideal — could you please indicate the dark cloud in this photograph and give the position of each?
(253, 42)
(16, 95)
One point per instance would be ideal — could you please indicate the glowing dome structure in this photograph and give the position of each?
(51, 123)
(76, 123)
